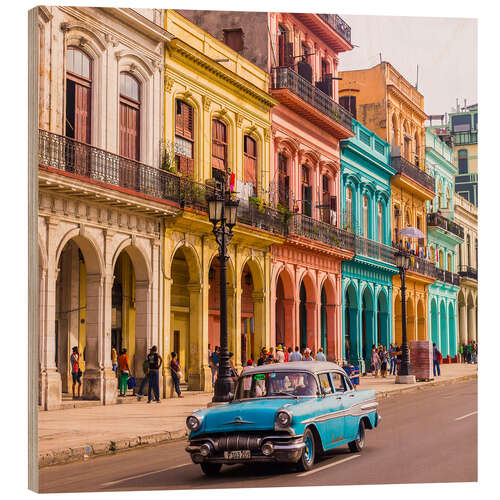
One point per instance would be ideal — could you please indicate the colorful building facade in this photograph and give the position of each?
(366, 211)
(301, 56)
(443, 237)
(385, 102)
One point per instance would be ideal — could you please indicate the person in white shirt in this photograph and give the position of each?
(295, 356)
(280, 355)
(320, 356)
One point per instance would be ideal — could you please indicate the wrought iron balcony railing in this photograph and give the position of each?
(338, 24)
(286, 78)
(308, 227)
(66, 154)
(437, 220)
(460, 138)
(422, 266)
(468, 272)
(266, 218)
(370, 248)
(403, 166)
(447, 276)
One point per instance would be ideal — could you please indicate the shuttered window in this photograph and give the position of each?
(250, 162)
(380, 221)
(306, 192)
(129, 116)
(219, 145)
(365, 216)
(283, 181)
(184, 138)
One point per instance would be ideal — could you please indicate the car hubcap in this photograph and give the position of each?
(309, 448)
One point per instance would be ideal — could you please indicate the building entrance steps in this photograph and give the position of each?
(71, 434)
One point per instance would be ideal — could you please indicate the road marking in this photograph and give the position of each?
(302, 474)
(111, 483)
(468, 415)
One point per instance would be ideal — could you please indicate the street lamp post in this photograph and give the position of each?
(404, 375)
(222, 212)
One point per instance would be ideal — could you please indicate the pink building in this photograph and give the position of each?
(301, 54)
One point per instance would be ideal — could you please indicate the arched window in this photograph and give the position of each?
(463, 162)
(441, 259)
(306, 191)
(328, 202)
(283, 181)
(397, 226)
(440, 194)
(78, 94)
(380, 222)
(476, 254)
(449, 262)
(219, 148)
(184, 138)
(365, 216)
(250, 162)
(348, 209)
(448, 198)
(130, 108)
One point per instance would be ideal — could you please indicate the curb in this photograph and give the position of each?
(92, 450)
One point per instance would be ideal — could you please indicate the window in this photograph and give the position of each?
(461, 123)
(448, 198)
(365, 216)
(449, 262)
(468, 251)
(349, 102)
(339, 382)
(476, 255)
(78, 95)
(348, 208)
(250, 162)
(463, 162)
(441, 259)
(325, 199)
(407, 218)
(283, 181)
(219, 147)
(234, 38)
(396, 223)
(418, 222)
(380, 222)
(324, 382)
(306, 192)
(459, 257)
(129, 116)
(184, 138)
(433, 254)
(285, 48)
(439, 195)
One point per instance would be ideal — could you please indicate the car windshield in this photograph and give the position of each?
(282, 383)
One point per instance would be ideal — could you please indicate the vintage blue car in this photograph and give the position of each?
(286, 412)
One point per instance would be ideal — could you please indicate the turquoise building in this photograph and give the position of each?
(443, 236)
(366, 279)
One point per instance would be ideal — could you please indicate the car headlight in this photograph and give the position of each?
(193, 422)
(284, 418)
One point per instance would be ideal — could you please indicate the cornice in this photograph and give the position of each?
(406, 101)
(182, 52)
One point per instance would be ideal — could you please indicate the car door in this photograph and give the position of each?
(333, 420)
(349, 399)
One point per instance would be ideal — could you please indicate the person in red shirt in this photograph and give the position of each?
(124, 372)
(76, 373)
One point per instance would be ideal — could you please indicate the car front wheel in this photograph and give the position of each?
(211, 469)
(357, 445)
(308, 453)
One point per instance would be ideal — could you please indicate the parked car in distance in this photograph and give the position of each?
(283, 412)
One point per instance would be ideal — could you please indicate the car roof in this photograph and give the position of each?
(305, 366)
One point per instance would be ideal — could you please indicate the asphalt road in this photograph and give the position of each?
(428, 436)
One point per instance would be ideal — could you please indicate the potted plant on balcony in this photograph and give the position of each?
(168, 158)
(286, 213)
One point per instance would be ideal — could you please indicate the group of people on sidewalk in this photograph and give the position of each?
(382, 359)
(468, 352)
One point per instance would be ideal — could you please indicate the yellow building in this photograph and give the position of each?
(217, 120)
(385, 102)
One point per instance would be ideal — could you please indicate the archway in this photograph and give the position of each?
(328, 341)
(398, 320)
(185, 311)
(307, 310)
(284, 308)
(471, 318)
(383, 329)
(420, 320)
(443, 331)
(462, 317)
(451, 331)
(351, 334)
(368, 328)
(434, 323)
(411, 333)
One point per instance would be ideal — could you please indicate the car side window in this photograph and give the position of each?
(337, 381)
(325, 384)
(347, 383)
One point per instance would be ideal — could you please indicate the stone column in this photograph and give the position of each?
(288, 307)
(165, 349)
(259, 322)
(198, 351)
(312, 313)
(471, 323)
(142, 325)
(331, 341)
(463, 324)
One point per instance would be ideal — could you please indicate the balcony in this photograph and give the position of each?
(462, 138)
(370, 248)
(311, 103)
(265, 218)
(338, 24)
(404, 167)
(419, 264)
(468, 272)
(437, 220)
(448, 277)
(329, 28)
(317, 230)
(102, 167)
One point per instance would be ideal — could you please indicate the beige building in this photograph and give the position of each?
(467, 265)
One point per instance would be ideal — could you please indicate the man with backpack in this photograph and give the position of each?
(154, 361)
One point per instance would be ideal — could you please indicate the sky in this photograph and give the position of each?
(445, 50)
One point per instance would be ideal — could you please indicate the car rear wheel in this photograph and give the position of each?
(308, 453)
(358, 444)
(211, 469)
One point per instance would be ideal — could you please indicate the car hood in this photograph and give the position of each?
(237, 416)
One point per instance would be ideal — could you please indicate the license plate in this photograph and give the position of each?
(237, 454)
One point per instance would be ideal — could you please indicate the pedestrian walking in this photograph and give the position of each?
(76, 373)
(307, 355)
(461, 352)
(383, 355)
(215, 362)
(270, 356)
(320, 356)
(123, 372)
(375, 360)
(474, 352)
(392, 359)
(280, 355)
(114, 360)
(211, 363)
(436, 359)
(263, 357)
(145, 379)
(287, 354)
(175, 371)
(154, 364)
(295, 356)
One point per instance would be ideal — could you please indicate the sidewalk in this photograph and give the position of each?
(72, 434)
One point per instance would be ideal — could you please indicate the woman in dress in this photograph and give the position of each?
(375, 361)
